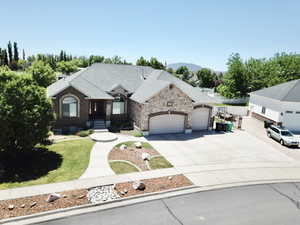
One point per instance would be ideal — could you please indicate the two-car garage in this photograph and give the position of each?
(169, 122)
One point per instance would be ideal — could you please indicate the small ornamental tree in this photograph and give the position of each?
(25, 112)
(42, 73)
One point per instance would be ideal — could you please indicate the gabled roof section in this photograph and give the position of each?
(159, 79)
(289, 91)
(117, 86)
(148, 89)
(98, 80)
(79, 83)
(191, 91)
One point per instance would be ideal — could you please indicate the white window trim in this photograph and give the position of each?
(61, 103)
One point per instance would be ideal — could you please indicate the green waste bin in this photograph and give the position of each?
(229, 126)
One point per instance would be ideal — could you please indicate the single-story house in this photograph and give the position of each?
(280, 104)
(155, 100)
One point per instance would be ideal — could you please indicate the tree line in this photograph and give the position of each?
(245, 76)
(242, 76)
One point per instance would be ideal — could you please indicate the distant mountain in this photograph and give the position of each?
(192, 67)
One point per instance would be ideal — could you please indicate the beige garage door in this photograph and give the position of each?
(200, 118)
(167, 123)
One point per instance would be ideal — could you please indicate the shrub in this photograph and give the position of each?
(137, 133)
(83, 133)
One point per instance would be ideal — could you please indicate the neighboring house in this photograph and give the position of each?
(155, 100)
(280, 104)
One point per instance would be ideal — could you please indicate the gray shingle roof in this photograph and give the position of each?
(289, 91)
(144, 82)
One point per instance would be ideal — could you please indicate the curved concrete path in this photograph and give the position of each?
(99, 165)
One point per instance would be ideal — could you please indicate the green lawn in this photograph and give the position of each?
(159, 163)
(131, 143)
(122, 167)
(58, 162)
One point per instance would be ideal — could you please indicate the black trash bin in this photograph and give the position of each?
(221, 126)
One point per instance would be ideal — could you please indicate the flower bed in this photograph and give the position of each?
(134, 155)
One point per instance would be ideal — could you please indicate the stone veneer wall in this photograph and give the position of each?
(83, 110)
(178, 102)
(135, 113)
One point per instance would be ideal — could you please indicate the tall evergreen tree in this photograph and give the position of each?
(5, 59)
(10, 54)
(16, 52)
(61, 56)
(23, 53)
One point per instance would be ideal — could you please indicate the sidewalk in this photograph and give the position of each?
(204, 176)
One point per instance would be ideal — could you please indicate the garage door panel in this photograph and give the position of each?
(200, 118)
(167, 123)
(292, 121)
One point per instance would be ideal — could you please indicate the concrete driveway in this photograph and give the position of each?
(208, 148)
(256, 128)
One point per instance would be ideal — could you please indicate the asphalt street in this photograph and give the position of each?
(249, 205)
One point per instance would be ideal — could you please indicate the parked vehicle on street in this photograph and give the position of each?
(284, 136)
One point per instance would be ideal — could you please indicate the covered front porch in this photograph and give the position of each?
(105, 111)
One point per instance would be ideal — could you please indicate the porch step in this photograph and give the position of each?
(100, 130)
(99, 125)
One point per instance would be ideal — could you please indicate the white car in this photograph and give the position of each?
(284, 136)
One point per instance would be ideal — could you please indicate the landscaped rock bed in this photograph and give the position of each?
(139, 156)
(153, 185)
(36, 204)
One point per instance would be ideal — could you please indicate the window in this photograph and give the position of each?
(118, 106)
(69, 107)
(263, 110)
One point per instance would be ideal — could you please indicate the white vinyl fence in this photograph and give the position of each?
(235, 110)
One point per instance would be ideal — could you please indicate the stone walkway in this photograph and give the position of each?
(98, 165)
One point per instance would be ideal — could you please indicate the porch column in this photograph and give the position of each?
(108, 112)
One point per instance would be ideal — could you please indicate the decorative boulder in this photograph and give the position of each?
(32, 204)
(52, 197)
(138, 185)
(11, 207)
(146, 156)
(138, 144)
(123, 147)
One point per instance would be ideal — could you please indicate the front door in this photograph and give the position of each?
(97, 109)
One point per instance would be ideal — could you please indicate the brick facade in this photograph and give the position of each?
(83, 109)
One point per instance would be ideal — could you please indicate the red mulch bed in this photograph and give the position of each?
(74, 198)
(78, 197)
(133, 155)
(154, 185)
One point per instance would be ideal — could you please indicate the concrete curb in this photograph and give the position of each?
(83, 209)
